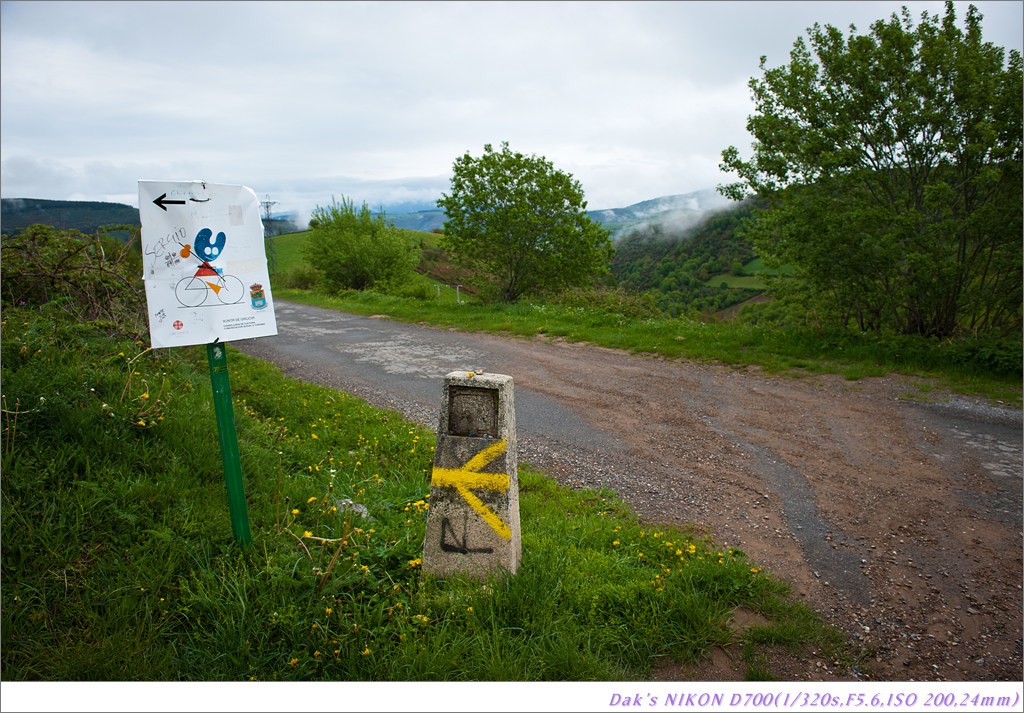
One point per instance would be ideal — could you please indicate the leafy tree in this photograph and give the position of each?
(892, 163)
(356, 250)
(521, 225)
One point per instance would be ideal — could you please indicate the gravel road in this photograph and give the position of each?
(896, 513)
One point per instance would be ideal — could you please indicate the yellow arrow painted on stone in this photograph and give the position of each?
(469, 477)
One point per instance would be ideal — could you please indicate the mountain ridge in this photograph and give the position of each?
(678, 211)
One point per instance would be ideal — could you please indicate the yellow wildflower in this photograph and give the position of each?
(307, 533)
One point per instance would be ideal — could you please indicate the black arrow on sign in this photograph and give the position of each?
(163, 202)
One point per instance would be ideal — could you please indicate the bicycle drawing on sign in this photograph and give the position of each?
(195, 290)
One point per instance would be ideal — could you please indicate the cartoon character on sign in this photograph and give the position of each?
(208, 249)
(193, 291)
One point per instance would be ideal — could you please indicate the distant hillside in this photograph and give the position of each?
(689, 268)
(86, 216)
(423, 220)
(672, 212)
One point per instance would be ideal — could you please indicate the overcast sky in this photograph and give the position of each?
(375, 100)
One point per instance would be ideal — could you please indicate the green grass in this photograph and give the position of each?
(747, 282)
(757, 267)
(754, 277)
(287, 251)
(119, 562)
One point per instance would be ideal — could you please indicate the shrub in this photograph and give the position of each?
(616, 301)
(355, 250)
(92, 277)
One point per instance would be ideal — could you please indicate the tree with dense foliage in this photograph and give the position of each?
(356, 250)
(892, 166)
(521, 226)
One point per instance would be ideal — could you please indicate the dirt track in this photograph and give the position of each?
(900, 519)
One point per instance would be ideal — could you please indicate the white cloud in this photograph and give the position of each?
(375, 100)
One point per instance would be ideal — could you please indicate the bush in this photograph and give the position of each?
(302, 277)
(616, 301)
(92, 277)
(417, 289)
(354, 250)
(996, 356)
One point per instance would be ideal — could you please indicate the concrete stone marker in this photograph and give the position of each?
(473, 522)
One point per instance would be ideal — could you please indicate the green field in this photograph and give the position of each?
(753, 279)
(287, 251)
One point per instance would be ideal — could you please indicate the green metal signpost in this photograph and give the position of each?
(217, 357)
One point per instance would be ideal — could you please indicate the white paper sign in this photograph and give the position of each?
(205, 266)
